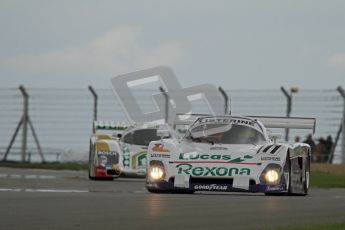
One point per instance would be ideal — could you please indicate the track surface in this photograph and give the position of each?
(45, 199)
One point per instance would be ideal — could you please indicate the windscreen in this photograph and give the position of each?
(141, 137)
(225, 133)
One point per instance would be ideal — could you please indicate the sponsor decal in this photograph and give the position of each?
(226, 121)
(111, 165)
(222, 158)
(276, 188)
(107, 158)
(139, 160)
(270, 158)
(210, 171)
(211, 187)
(160, 148)
(160, 155)
(126, 157)
(101, 152)
(197, 156)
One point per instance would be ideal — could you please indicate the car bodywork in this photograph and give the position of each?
(244, 158)
(117, 149)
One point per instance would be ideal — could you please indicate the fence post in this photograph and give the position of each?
(25, 121)
(331, 155)
(342, 93)
(95, 102)
(288, 105)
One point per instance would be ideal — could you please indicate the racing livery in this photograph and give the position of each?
(117, 149)
(231, 154)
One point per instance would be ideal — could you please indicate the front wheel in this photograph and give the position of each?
(306, 175)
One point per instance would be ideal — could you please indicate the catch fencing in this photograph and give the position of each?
(62, 118)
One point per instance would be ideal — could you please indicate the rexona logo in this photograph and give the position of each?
(210, 171)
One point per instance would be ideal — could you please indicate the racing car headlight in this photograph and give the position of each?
(156, 173)
(156, 170)
(272, 176)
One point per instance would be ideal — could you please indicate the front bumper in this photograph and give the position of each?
(216, 187)
(104, 172)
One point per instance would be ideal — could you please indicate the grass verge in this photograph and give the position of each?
(316, 227)
(327, 180)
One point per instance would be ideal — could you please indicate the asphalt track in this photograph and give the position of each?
(45, 199)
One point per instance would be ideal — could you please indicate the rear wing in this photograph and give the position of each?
(109, 125)
(267, 121)
(287, 122)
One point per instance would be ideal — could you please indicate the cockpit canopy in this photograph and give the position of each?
(141, 136)
(226, 130)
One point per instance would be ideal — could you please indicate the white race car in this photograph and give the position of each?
(230, 154)
(117, 149)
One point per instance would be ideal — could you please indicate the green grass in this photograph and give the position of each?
(326, 180)
(316, 227)
(51, 165)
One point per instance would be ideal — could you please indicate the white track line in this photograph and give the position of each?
(42, 190)
(30, 177)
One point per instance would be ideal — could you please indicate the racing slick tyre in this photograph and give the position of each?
(306, 173)
(302, 188)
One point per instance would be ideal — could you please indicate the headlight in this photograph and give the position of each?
(156, 170)
(271, 176)
(156, 173)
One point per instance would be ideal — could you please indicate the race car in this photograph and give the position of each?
(230, 154)
(116, 149)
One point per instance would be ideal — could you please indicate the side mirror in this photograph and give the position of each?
(163, 133)
(275, 136)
